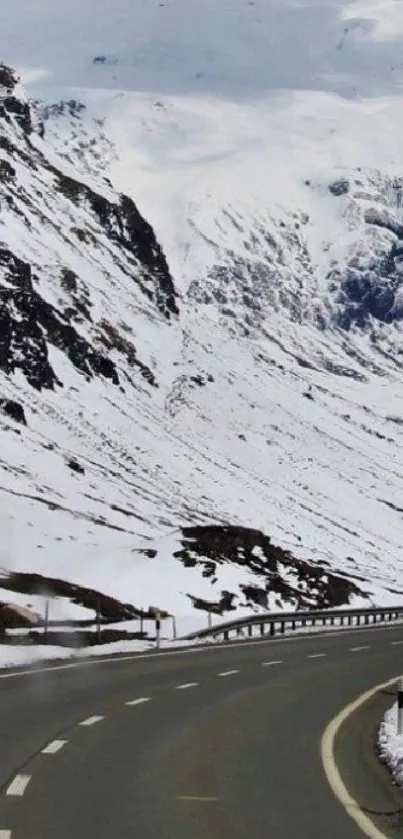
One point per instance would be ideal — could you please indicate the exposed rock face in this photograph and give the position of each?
(51, 306)
(28, 324)
(285, 580)
(14, 410)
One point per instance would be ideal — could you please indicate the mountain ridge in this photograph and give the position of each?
(254, 384)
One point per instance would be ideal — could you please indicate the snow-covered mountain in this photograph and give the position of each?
(201, 278)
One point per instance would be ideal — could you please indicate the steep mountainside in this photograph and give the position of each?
(200, 331)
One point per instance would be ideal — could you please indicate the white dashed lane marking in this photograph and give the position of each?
(317, 655)
(5, 834)
(394, 643)
(203, 798)
(187, 685)
(91, 720)
(52, 748)
(19, 785)
(228, 673)
(358, 649)
(270, 663)
(139, 701)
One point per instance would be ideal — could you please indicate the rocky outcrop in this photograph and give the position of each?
(28, 325)
(294, 582)
(48, 304)
(13, 409)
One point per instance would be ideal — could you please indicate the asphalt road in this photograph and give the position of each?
(224, 744)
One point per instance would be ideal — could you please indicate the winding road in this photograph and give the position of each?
(220, 742)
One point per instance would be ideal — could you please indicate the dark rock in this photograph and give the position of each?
(69, 280)
(75, 466)
(198, 380)
(23, 338)
(7, 171)
(384, 219)
(112, 339)
(214, 607)
(307, 586)
(340, 187)
(8, 79)
(124, 225)
(14, 410)
(11, 105)
(70, 107)
(367, 295)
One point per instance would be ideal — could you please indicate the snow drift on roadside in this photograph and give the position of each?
(391, 744)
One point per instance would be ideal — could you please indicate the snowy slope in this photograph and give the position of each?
(238, 361)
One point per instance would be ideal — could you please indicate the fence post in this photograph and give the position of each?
(99, 620)
(158, 629)
(209, 620)
(174, 627)
(46, 621)
(400, 707)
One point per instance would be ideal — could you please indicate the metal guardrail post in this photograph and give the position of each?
(158, 629)
(400, 707)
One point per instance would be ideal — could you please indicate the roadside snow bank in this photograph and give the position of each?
(391, 745)
(26, 655)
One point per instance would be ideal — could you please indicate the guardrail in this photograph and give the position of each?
(271, 624)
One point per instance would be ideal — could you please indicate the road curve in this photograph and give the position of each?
(217, 743)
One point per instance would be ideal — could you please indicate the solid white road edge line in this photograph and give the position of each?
(115, 659)
(18, 785)
(138, 701)
(91, 720)
(329, 764)
(187, 685)
(53, 747)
